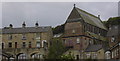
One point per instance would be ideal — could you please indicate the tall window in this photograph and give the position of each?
(10, 44)
(78, 40)
(38, 44)
(37, 35)
(113, 39)
(23, 37)
(2, 45)
(15, 44)
(24, 44)
(10, 37)
(30, 45)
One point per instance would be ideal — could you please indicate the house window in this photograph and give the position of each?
(38, 45)
(88, 56)
(112, 54)
(10, 44)
(73, 31)
(64, 41)
(23, 37)
(9, 37)
(24, 44)
(2, 45)
(78, 40)
(117, 52)
(30, 45)
(113, 39)
(15, 44)
(37, 35)
(94, 56)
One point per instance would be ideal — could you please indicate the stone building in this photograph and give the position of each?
(94, 52)
(114, 41)
(83, 29)
(26, 42)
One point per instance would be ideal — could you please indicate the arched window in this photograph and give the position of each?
(37, 56)
(22, 56)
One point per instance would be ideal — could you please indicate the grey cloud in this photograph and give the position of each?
(51, 14)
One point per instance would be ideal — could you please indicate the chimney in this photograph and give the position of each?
(36, 24)
(74, 5)
(10, 26)
(23, 25)
(99, 16)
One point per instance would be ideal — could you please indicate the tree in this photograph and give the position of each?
(56, 49)
(58, 29)
(112, 21)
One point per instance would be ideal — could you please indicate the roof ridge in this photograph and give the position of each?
(87, 12)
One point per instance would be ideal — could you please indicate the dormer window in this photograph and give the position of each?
(113, 39)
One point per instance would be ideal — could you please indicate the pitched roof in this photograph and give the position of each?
(93, 48)
(88, 18)
(114, 31)
(26, 30)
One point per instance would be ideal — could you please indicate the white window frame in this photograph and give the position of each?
(37, 35)
(113, 39)
(43, 42)
(38, 44)
(78, 40)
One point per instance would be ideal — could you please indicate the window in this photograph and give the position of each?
(38, 44)
(113, 39)
(78, 40)
(24, 44)
(2, 45)
(44, 43)
(10, 44)
(64, 41)
(88, 56)
(112, 54)
(73, 31)
(37, 35)
(15, 44)
(9, 37)
(30, 45)
(23, 37)
(115, 53)
(22, 56)
(94, 56)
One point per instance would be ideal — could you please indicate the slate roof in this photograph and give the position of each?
(114, 31)
(93, 48)
(26, 30)
(89, 18)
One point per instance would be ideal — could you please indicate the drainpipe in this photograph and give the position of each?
(119, 50)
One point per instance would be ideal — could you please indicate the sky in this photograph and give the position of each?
(51, 13)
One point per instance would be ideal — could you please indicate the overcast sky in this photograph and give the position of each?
(51, 14)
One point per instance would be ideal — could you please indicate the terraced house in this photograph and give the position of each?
(114, 41)
(82, 30)
(26, 42)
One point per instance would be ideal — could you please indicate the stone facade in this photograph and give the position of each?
(27, 42)
(83, 29)
(114, 41)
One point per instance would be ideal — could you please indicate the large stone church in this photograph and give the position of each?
(82, 31)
